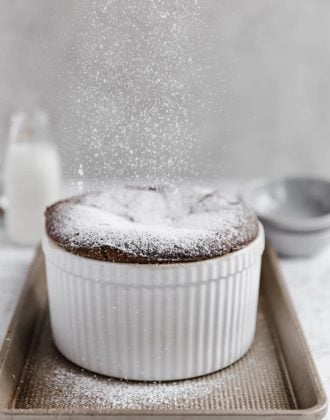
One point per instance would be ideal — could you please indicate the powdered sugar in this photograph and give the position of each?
(140, 87)
(105, 392)
(155, 225)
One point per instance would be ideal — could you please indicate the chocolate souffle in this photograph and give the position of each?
(151, 225)
(136, 290)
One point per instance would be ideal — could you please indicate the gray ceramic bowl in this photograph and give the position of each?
(295, 212)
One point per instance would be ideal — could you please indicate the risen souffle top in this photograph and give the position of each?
(149, 225)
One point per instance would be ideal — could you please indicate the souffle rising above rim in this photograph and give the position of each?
(130, 224)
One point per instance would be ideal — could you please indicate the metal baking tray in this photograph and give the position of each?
(275, 379)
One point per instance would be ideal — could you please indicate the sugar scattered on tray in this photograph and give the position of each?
(121, 394)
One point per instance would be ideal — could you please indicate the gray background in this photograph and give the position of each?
(257, 94)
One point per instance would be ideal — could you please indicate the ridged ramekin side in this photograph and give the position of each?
(154, 322)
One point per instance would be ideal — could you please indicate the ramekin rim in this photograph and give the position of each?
(259, 240)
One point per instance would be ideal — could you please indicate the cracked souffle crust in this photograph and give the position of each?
(151, 225)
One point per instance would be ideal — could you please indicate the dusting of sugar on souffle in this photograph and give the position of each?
(151, 225)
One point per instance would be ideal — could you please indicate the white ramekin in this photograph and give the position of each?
(154, 322)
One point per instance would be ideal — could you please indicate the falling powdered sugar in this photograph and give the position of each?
(138, 87)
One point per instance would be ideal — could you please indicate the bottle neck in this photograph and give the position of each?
(28, 128)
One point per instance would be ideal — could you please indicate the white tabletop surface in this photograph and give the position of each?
(308, 281)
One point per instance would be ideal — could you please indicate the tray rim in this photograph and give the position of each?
(322, 400)
(317, 411)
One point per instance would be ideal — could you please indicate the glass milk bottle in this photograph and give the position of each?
(32, 177)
